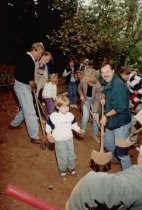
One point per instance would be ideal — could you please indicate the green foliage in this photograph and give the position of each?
(107, 27)
(134, 59)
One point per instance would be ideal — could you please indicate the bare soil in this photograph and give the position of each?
(34, 170)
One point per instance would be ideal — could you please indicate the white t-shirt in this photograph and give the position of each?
(61, 126)
(49, 90)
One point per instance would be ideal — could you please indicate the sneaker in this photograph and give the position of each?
(72, 172)
(63, 174)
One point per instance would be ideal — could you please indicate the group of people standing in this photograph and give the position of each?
(83, 88)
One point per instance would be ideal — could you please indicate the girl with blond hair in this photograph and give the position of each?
(49, 92)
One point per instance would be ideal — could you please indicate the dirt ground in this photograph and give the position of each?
(34, 170)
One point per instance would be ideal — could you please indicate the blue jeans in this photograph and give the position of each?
(72, 91)
(85, 116)
(109, 143)
(65, 155)
(27, 110)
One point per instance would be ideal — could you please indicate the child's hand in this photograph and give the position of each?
(81, 131)
(50, 138)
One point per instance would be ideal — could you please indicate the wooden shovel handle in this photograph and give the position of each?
(39, 113)
(102, 132)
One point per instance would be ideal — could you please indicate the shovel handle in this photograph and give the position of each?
(91, 113)
(102, 132)
(39, 113)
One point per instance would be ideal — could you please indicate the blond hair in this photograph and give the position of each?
(62, 100)
(90, 75)
(37, 46)
(53, 78)
(46, 53)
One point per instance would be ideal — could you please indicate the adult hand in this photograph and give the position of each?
(102, 101)
(33, 86)
(82, 98)
(104, 120)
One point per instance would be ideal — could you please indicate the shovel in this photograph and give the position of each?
(129, 141)
(91, 113)
(101, 161)
(44, 142)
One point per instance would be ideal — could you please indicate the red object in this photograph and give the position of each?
(21, 195)
(132, 96)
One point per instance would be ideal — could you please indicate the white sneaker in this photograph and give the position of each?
(72, 172)
(63, 174)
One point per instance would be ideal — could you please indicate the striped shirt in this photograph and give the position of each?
(135, 86)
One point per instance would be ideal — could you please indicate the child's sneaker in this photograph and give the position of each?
(72, 172)
(63, 174)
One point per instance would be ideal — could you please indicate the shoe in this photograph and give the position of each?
(63, 174)
(72, 172)
(12, 127)
(36, 141)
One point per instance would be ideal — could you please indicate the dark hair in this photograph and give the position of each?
(125, 70)
(108, 61)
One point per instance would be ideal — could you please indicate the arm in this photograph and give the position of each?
(75, 126)
(80, 90)
(48, 130)
(66, 73)
(33, 86)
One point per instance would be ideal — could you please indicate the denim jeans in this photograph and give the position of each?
(85, 117)
(111, 136)
(72, 92)
(27, 110)
(65, 155)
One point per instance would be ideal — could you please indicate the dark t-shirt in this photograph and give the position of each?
(25, 68)
(89, 90)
